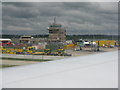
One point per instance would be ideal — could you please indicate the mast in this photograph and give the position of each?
(54, 20)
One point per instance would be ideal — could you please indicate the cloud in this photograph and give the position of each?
(78, 17)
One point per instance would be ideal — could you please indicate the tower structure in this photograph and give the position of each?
(56, 32)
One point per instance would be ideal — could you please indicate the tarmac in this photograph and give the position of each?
(74, 54)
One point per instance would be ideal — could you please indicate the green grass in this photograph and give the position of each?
(5, 66)
(24, 59)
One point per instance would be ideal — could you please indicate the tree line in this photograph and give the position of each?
(70, 37)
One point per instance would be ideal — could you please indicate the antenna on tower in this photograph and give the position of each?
(54, 20)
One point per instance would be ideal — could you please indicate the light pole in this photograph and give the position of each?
(98, 46)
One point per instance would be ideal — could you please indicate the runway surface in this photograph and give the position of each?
(91, 71)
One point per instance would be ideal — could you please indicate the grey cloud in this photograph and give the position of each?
(79, 17)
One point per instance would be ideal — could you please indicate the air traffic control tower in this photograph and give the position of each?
(56, 32)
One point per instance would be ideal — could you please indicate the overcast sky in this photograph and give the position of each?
(77, 17)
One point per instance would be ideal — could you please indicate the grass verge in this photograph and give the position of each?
(5, 66)
(24, 59)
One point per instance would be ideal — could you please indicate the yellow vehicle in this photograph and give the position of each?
(47, 51)
(10, 51)
(69, 46)
(106, 43)
(24, 50)
(30, 50)
(15, 50)
(60, 52)
(38, 53)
